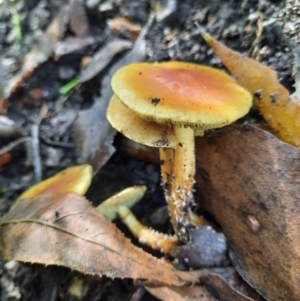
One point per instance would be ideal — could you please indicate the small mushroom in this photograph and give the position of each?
(188, 99)
(73, 179)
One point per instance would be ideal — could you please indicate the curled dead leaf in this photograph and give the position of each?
(270, 97)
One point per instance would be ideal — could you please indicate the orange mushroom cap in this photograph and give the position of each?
(138, 129)
(180, 93)
(73, 179)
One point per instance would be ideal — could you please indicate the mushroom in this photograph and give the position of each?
(73, 179)
(148, 133)
(188, 99)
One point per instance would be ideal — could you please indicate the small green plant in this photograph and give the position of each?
(9, 8)
(69, 86)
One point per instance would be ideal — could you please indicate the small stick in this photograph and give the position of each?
(35, 148)
(12, 144)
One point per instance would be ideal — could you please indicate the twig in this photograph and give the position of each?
(8, 128)
(12, 144)
(56, 143)
(35, 148)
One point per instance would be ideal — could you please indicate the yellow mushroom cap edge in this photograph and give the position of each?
(138, 129)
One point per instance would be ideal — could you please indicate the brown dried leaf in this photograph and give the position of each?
(70, 45)
(124, 27)
(93, 135)
(3, 106)
(224, 284)
(249, 181)
(67, 230)
(5, 159)
(79, 26)
(78, 23)
(271, 98)
(223, 291)
(191, 293)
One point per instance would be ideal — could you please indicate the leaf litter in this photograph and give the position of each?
(67, 230)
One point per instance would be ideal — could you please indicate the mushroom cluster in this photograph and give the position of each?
(166, 105)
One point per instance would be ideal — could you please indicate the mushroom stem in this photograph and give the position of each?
(183, 179)
(157, 241)
(166, 156)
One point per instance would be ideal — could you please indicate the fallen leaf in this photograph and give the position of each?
(93, 135)
(223, 291)
(67, 230)
(249, 181)
(125, 27)
(206, 248)
(191, 293)
(5, 159)
(3, 106)
(102, 58)
(224, 284)
(79, 27)
(70, 45)
(270, 97)
(78, 23)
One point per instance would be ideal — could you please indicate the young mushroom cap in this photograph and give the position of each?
(73, 179)
(138, 129)
(181, 93)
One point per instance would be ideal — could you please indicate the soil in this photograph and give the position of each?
(237, 23)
